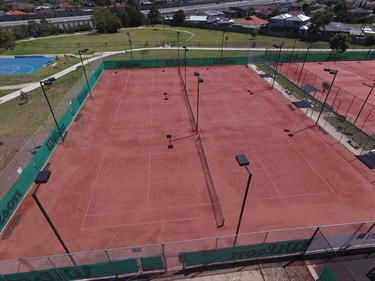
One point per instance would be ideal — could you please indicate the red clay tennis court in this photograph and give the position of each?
(352, 87)
(115, 183)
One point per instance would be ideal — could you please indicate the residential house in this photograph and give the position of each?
(262, 11)
(370, 5)
(296, 7)
(197, 19)
(297, 23)
(313, 12)
(15, 13)
(358, 13)
(335, 27)
(251, 21)
(277, 23)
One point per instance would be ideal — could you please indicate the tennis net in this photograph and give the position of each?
(216, 206)
(187, 101)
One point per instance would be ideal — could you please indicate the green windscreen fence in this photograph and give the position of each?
(245, 252)
(311, 55)
(116, 64)
(152, 263)
(91, 271)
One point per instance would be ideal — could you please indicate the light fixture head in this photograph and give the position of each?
(42, 177)
(196, 73)
(242, 160)
(200, 80)
(46, 82)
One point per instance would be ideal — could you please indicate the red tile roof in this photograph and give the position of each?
(251, 20)
(15, 12)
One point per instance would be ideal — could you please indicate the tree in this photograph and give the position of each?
(341, 10)
(7, 41)
(154, 15)
(24, 97)
(179, 16)
(105, 21)
(33, 28)
(320, 20)
(306, 9)
(254, 33)
(369, 40)
(136, 18)
(250, 11)
(275, 11)
(20, 31)
(340, 42)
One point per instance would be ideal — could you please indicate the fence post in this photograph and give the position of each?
(264, 241)
(310, 241)
(338, 258)
(2, 276)
(58, 271)
(164, 256)
(217, 240)
(110, 262)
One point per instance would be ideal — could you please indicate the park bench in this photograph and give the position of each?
(354, 143)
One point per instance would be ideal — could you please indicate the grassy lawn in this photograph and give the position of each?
(147, 37)
(19, 121)
(351, 131)
(13, 114)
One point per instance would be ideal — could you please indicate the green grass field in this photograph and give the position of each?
(148, 37)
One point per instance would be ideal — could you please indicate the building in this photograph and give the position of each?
(358, 13)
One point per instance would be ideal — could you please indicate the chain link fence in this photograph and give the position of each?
(326, 246)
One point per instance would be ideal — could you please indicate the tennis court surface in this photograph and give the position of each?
(23, 64)
(351, 95)
(116, 183)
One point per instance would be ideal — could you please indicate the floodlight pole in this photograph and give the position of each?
(84, 69)
(186, 50)
(364, 103)
(242, 162)
(333, 72)
(49, 82)
(277, 63)
(131, 51)
(222, 45)
(303, 64)
(199, 80)
(49, 221)
(178, 47)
